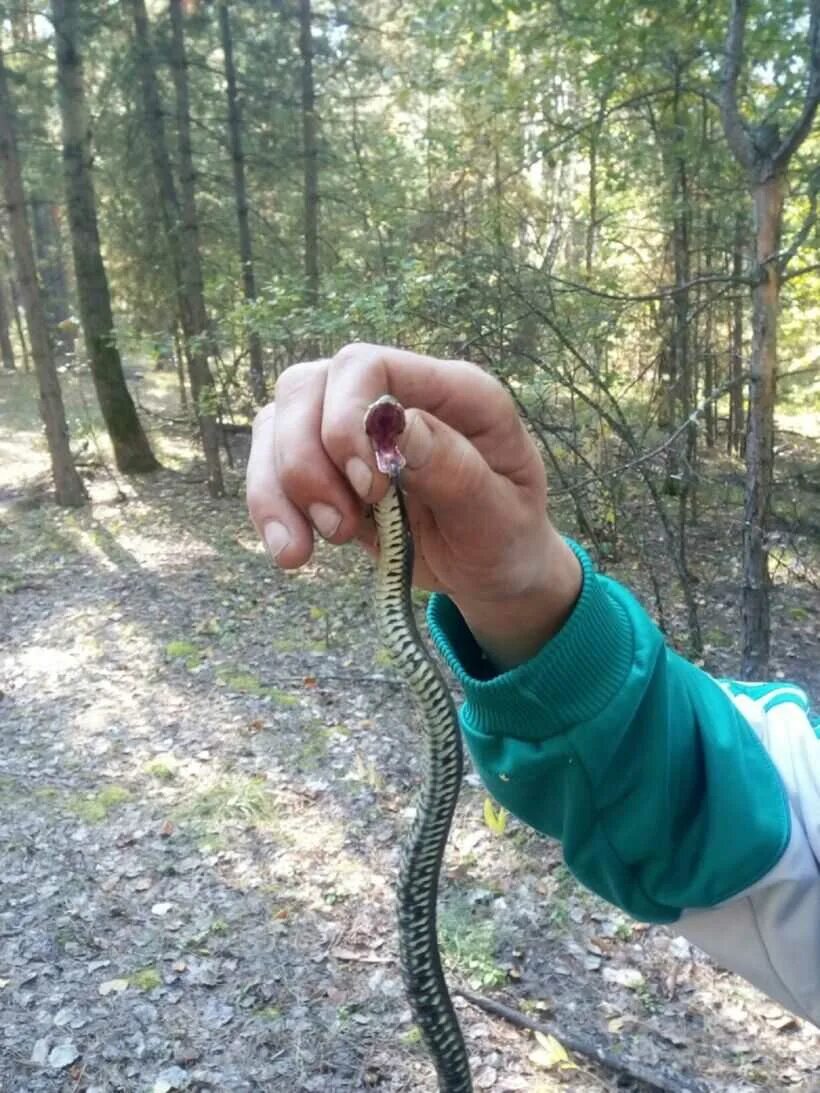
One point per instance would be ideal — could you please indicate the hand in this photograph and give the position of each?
(475, 486)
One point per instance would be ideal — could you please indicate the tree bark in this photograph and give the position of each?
(768, 203)
(5, 334)
(68, 485)
(734, 440)
(310, 153)
(132, 451)
(14, 296)
(257, 370)
(181, 229)
(53, 282)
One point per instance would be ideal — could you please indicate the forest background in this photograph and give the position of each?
(611, 206)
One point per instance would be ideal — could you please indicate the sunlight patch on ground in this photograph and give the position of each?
(805, 422)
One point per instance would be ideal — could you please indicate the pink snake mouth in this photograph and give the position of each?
(384, 424)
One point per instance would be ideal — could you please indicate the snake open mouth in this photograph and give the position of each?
(384, 424)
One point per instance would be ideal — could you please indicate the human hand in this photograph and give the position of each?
(474, 482)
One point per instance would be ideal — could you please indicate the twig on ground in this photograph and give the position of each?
(667, 1083)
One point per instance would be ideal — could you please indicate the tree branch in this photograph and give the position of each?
(807, 225)
(733, 126)
(654, 1077)
(800, 130)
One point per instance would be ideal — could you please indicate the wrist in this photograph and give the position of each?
(511, 631)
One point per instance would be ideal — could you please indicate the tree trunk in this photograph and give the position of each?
(5, 335)
(736, 400)
(53, 282)
(132, 451)
(68, 485)
(180, 226)
(14, 296)
(310, 153)
(768, 205)
(257, 371)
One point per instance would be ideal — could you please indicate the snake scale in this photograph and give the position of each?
(424, 981)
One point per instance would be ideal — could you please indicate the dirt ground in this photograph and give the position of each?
(206, 770)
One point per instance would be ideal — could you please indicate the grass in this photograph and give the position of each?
(94, 808)
(147, 979)
(164, 767)
(468, 945)
(234, 797)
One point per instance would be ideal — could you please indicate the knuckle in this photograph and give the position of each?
(354, 352)
(295, 376)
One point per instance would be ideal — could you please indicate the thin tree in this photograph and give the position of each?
(181, 230)
(764, 156)
(310, 154)
(257, 373)
(68, 485)
(48, 249)
(6, 350)
(132, 451)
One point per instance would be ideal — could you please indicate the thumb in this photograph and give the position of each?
(444, 471)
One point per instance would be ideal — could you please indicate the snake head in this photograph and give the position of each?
(384, 424)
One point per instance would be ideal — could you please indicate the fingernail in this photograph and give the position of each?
(417, 443)
(325, 519)
(359, 475)
(276, 538)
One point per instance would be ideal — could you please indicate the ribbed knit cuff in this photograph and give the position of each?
(574, 676)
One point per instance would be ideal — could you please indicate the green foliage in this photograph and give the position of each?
(147, 979)
(95, 807)
(469, 946)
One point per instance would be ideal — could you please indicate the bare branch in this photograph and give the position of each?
(665, 444)
(805, 228)
(661, 294)
(733, 126)
(801, 272)
(655, 1078)
(800, 130)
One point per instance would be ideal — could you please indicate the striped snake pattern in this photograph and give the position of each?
(422, 854)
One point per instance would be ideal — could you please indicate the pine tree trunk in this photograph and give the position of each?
(5, 334)
(310, 153)
(52, 274)
(181, 229)
(14, 296)
(132, 451)
(768, 204)
(736, 400)
(257, 372)
(68, 485)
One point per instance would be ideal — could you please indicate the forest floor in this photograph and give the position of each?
(205, 773)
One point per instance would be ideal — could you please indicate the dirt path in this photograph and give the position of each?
(205, 773)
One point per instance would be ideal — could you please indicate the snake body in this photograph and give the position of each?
(424, 980)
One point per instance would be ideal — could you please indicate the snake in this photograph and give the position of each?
(418, 880)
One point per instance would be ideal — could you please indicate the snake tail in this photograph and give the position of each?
(424, 980)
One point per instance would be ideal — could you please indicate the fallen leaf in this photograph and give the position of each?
(495, 820)
(113, 986)
(62, 1055)
(630, 978)
(551, 1054)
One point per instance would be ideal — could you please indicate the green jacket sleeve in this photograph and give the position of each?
(660, 792)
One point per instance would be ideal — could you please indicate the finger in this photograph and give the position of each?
(304, 471)
(287, 535)
(456, 392)
(447, 474)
